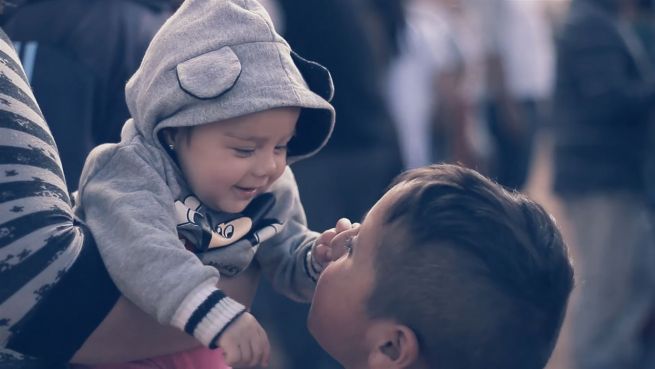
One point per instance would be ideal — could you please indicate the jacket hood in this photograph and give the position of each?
(219, 59)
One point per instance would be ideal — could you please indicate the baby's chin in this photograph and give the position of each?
(227, 207)
(231, 209)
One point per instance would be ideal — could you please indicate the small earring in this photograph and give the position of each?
(171, 147)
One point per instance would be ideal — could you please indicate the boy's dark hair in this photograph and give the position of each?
(481, 275)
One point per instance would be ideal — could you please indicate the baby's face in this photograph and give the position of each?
(228, 163)
(338, 318)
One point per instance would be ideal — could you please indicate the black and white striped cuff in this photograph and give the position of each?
(206, 312)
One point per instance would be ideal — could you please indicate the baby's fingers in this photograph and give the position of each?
(322, 254)
(343, 224)
(249, 354)
(327, 236)
(232, 353)
(264, 349)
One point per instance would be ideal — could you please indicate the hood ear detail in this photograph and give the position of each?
(209, 75)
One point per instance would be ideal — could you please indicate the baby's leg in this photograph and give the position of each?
(201, 358)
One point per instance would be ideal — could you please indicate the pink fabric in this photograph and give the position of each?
(202, 358)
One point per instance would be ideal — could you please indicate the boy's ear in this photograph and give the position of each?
(392, 346)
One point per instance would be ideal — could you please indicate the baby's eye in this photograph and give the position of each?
(244, 152)
(281, 149)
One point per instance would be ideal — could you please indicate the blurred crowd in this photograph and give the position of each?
(476, 82)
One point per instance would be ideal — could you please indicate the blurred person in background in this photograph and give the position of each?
(460, 132)
(78, 55)
(644, 25)
(603, 101)
(518, 57)
(424, 88)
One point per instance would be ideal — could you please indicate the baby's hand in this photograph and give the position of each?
(245, 343)
(324, 252)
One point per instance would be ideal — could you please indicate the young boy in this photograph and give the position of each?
(447, 270)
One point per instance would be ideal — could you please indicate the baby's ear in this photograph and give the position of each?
(392, 346)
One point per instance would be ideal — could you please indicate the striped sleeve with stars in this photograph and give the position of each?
(40, 244)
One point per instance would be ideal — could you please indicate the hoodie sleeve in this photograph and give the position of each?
(286, 258)
(129, 209)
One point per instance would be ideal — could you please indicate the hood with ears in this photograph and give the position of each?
(219, 59)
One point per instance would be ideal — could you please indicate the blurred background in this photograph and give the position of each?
(551, 97)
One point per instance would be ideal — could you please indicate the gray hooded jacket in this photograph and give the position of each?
(212, 60)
